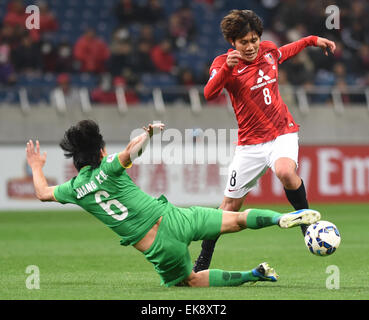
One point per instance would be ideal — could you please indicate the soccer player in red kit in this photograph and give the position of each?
(267, 134)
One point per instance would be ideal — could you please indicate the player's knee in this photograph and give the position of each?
(232, 222)
(230, 204)
(193, 282)
(241, 219)
(286, 175)
(199, 279)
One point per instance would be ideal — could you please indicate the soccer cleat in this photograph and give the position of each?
(265, 273)
(202, 263)
(297, 218)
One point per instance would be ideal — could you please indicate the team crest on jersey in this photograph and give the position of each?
(269, 58)
(213, 73)
(110, 158)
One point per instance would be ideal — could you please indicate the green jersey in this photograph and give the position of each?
(109, 194)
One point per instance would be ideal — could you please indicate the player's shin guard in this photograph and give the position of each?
(261, 218)
(298, 200)
(221, 278)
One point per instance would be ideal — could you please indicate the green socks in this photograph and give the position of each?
(258, 218)
(220, 278)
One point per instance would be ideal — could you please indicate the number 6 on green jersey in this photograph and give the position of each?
(106, 205)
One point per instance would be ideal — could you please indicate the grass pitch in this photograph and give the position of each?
(79, 258)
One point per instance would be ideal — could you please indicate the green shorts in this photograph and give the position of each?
(169, 251)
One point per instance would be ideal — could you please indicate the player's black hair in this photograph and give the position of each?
(238, 23)
(83, 143)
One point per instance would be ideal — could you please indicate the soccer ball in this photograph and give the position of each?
(322, 238)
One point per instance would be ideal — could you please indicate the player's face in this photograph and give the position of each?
(248, 46)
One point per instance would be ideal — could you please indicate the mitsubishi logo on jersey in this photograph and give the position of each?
(263, 80)
(262, 77)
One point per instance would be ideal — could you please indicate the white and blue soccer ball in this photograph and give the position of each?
(322, 238)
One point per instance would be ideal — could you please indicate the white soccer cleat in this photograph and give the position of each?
(297, 218)
(265, 273)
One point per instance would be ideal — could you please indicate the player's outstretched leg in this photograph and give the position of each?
(221, 278)
(257, 219)
(233, 222)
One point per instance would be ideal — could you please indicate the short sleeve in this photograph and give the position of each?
(112, 165)
(64, 193)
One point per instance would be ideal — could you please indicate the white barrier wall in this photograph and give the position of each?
(182, 184)
(197, 176)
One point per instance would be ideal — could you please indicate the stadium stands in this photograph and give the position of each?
(192, 27)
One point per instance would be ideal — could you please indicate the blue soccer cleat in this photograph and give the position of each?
(297, 218)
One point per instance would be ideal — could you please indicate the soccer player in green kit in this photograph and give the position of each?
(157, 228)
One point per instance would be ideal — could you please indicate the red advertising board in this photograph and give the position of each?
(330, 174)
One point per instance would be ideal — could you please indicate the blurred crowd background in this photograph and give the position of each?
(143, 44)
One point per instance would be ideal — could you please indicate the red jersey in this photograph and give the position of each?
(253, 88)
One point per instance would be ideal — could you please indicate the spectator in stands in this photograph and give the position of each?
(126, 12)
(16, 18)
(105, 93)
(181, 28)
(297, 71)
(340, 73)
(91, 52)
(341, 85)
(343, 81)
(64, 57)
(162, 57)
(16, 14)
(354, 35)
(63, 81)
(208, 2)
(186, 78)
(146, 34)
(321, 61)
(130, 91)
(64, 89)
(143, 62)
(27, 56)
(360, 65)
(48, 56)
(48, 22)
(122, 52)
(7, 74)
(10, 36)
(152, 13)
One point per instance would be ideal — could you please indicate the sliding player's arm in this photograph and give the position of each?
(138, 144)
(36, 161)
(220, 73)
(291, 49)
